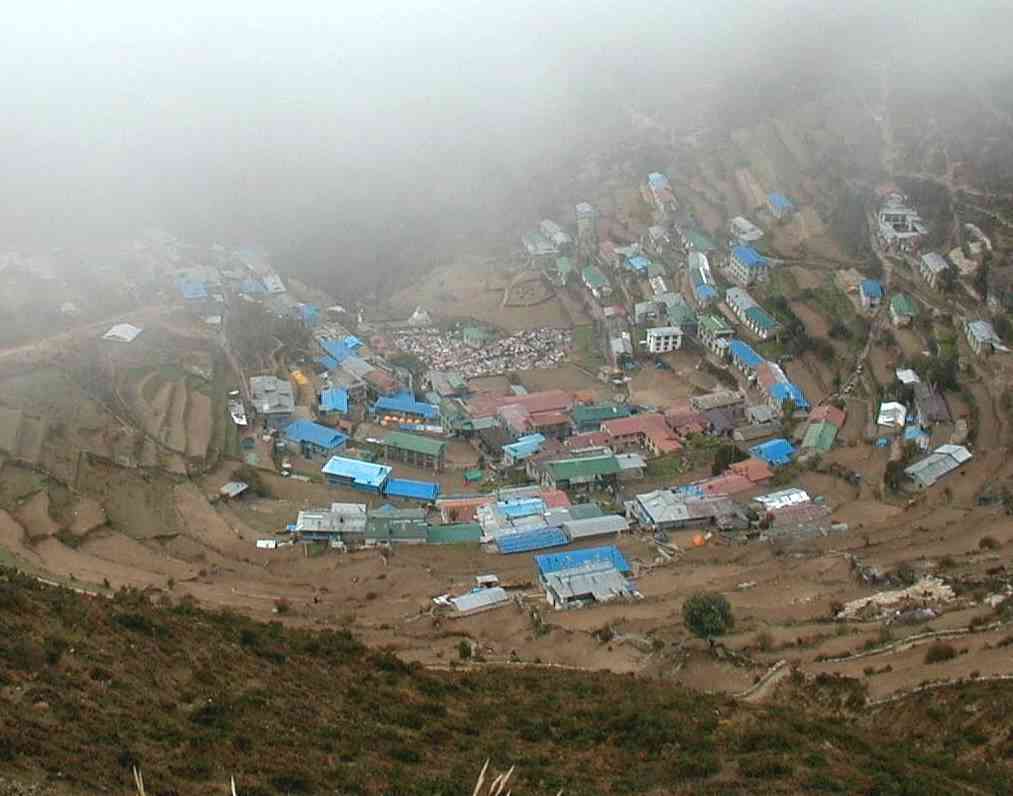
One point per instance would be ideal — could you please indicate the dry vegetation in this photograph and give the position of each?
(93, 688)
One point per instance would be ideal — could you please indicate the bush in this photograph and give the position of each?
(463, 649)
(988, 543)
(940, 651)
(708, 615)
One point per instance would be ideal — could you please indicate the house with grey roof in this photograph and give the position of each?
(938, 464)
(272, 399)
(982, 338)
(931, 267)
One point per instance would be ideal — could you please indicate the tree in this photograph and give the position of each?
(948, 280)
(893, 475)
(724, 456)
(708, 614)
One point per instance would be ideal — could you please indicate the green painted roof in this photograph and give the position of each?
(714, 325)
(564, 265)
(680, 314)
(394, 524)
(903, 305)
(759, 316)
(699, 241)
(584, 467)
(598, 413)
(414, 443)
(820, 436)
(594, 277)
(462, 533)
(474, 474)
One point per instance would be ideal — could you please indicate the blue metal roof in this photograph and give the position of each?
(705, 292)
(556, 562)
(334, 399)
(871, 288)
(782, 391)
(759, 316)
(307, 431)
(327, 362)
(780, 201)
(525, 446)
(749, 256)
(638, 263)
(416, 490)
(352, 342)
(657, 179)
(361, 473)
(777, 451)
(337, 349)
(405, 403)
(251, 285)
(192, 289)
(744, 352)
(526, 541)
(914, 432)
(521, 508)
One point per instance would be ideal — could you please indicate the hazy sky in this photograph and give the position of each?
(255, 115)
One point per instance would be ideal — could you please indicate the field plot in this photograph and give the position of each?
(475, 290)
(170, 406)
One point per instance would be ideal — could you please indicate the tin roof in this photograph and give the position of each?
(307, 431)
(416, 490)
(414, 443)
(359, 472)
(526, 541)
(575, 559)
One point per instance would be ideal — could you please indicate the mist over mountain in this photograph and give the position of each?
(341, 136)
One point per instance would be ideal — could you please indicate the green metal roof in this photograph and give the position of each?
(394, 524)
(414, 443)
(462, 533)
(598, 413)
(585, 511)
(820, 436)
(699, 241)
(681, 314)
(474, 474)
(902, 304)
(594, 277)
(585, 467)
(564, 265)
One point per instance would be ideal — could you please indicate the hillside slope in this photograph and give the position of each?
(90, 687)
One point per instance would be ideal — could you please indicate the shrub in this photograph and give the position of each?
(940, 651)
(708, 615)
(282, 606)
(988, 543)
(464, 649)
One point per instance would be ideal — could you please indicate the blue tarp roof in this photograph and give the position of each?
(522, 508)
(780, 201)
(334, 399)
(327, 363)
(525, 446)
(749, 256)
(782, 391)
(745, 353)
(405, 403)
(192, 289)
(251, 285)
(638, 263)
(416, 490)
(556, 562)
(361, 473)
(526, 541)
(337, 349)
(777, 451)
(914, 432)
(352, 342)
(657, 179)
(314, 433)
(871, 288)
(688, 490)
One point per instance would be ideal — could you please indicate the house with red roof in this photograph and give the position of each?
(648, 432)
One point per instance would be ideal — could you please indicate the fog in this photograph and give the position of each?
(323, 130)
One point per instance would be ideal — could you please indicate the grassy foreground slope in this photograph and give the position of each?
(90, 687)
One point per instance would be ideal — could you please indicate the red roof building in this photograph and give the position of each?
(545, 401)
(649, 432)
(828, 413)
(755, 470)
